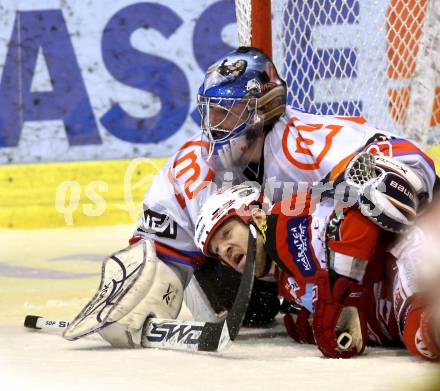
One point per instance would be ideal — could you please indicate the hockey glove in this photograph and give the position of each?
(339, 324)
(390, 192)
(298, 326)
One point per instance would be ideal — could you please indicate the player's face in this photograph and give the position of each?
(226, 119)
(229, 244)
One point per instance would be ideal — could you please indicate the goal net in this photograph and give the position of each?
(376, 58)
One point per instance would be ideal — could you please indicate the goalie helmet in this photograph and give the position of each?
(240, 96)
(234, 201)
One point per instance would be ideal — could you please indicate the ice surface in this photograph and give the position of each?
(54, 272)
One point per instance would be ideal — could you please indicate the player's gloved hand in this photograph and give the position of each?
(390, 192)
(339, 324)
(298, 326)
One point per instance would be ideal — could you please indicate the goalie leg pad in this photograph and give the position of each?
(163, 300)
(120, 271)
(135, 283)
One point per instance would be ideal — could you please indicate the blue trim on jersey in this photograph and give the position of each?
(420, 154)
(191, 253)
(307, 298)
(396, 140)
(169, 258)
(402, 140)
(416, 153)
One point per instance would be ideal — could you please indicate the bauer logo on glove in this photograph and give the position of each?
(388, 190)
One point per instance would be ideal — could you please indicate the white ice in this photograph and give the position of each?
(32, 281)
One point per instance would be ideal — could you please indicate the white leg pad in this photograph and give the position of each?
(199, 305)
(158, 292)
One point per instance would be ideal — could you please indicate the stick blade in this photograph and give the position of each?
(214, 337)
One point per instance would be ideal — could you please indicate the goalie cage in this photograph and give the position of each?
(379, 59)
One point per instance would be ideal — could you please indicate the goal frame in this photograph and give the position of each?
(417, 117)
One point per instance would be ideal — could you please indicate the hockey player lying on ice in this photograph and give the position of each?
(339, 271)
(248, 131)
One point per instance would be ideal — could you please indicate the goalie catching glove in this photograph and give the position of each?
(390, 192)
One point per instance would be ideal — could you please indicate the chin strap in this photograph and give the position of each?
(268, 260)
(267, 266)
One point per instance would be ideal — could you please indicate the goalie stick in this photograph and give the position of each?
(40, 323)
(187, 335)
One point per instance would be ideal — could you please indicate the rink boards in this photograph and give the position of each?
(77, 194)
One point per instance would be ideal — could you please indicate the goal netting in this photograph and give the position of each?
(376, 58)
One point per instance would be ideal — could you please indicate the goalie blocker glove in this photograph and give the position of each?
(390, 192)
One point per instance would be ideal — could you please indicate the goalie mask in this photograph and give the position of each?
(241, 95)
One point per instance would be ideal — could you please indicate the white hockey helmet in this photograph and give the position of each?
(235, 201)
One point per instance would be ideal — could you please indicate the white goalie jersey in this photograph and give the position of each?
(301, 148)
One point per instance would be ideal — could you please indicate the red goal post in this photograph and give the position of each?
(375, 58)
